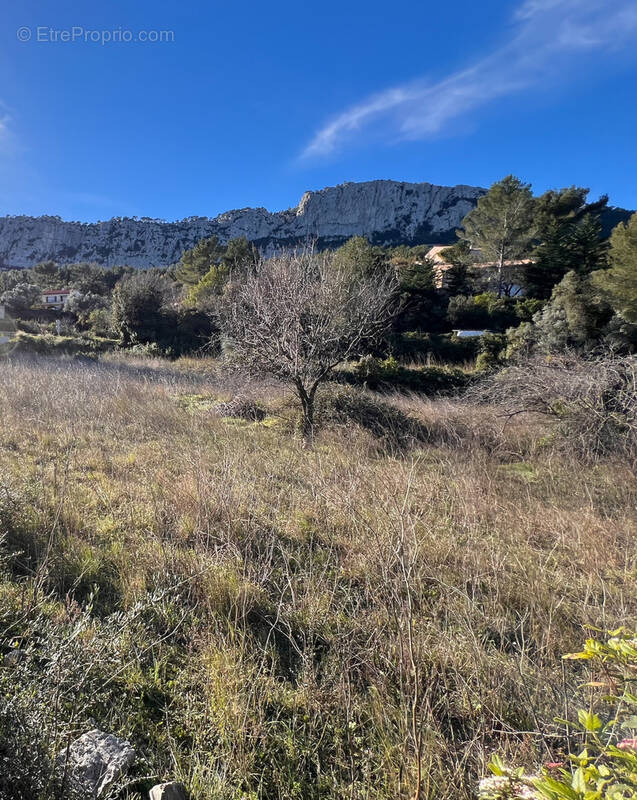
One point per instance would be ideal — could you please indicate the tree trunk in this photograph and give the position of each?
(307, 409)
(500, 273)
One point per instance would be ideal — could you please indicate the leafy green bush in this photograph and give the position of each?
(100, 323)
(29, 326)
(605, 766)
(492, 350)
(22, 297)
(577, 318)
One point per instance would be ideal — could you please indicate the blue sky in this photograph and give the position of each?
(253, 103)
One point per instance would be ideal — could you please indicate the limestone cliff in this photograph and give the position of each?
(387, 212)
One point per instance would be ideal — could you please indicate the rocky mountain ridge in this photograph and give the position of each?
(387, 212)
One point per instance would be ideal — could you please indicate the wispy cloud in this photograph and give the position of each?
(545, 36)
(4, 130)
(10, 146)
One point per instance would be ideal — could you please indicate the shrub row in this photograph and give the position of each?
(48, 344)
(377, 374)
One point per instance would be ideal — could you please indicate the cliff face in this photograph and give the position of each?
(387, 212)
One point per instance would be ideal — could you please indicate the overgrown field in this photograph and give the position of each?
(371, 617)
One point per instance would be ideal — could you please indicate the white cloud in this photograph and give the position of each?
(4, 128)
(531, 8)
(8, 142)
(545, 37)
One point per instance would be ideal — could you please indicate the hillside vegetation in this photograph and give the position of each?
(322, 525)
(370, 617)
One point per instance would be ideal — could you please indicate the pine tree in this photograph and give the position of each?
(359, 257)
(502, 224)
(47, 274)
(588, 251)
(550, 260)
(240, 256)
(138, 305)
(619, 283)
(570, 239)
(195, 263)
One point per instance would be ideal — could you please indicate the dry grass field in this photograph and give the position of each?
(370, 617)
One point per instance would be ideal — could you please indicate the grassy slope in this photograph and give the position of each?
(265, 620)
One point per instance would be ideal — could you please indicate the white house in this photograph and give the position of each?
(55, 298)
(513, 273)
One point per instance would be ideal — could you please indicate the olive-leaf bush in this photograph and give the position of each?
(605, 734)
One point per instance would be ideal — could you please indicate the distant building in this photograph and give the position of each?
(55, 298)
(487, 271)
(462, 334)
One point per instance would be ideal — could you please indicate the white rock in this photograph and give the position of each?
(388, 212)
(95, 761)
(168, 791)
(13, 658)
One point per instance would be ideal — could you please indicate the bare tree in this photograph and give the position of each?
(299, 315)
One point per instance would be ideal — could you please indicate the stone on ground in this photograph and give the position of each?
(168, 791)
(95, 761)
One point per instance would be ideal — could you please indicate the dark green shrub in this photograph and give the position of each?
(492, 350)
(28, 326)
(487, 311)
(444, 347)
(375, 373)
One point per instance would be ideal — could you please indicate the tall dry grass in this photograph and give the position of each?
(353, 620)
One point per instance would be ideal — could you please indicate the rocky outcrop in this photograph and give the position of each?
(94, 762)
(387, 212)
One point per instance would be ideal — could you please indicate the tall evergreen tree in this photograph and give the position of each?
(239, 259)
(502, 224)
(47, 274)
(457, 278)
(240, 255)
(360, 258)
(195, 263)
(570, 238)
(619, 283)
(563, 205)
(138, 305)
(588, 251)
(550, 262)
